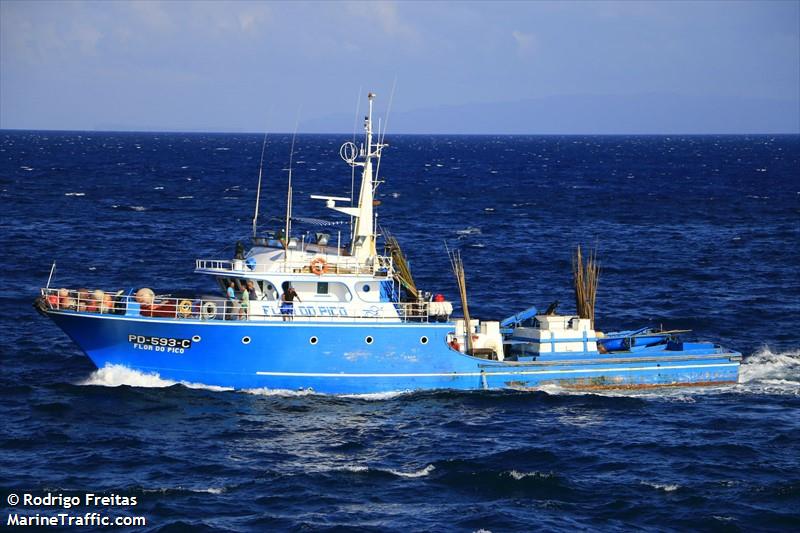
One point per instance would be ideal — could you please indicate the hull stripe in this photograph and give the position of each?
(468, 374)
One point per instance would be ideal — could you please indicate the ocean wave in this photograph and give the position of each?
(361, 469)
(178, 490)
(472, 230)
(130, 207)
(118, 375)
(417, 473)
(671, 487)
(519, 476)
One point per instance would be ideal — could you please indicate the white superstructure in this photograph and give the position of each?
(332, 279)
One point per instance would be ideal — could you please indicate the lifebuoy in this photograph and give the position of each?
(185, 308)
(319, 266)
(209, 311)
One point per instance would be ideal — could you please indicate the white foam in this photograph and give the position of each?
(362, 468)
(74, 194)
(352, 468)
(766, 364)
(469, 231)
(378, 396)
(118, 375)
(417, 473)
(661, 486)
(516, 474)
(138, 208)
(263, 391)
(164, 490)
(767, 371)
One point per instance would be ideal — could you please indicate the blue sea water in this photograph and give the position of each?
(692, 232)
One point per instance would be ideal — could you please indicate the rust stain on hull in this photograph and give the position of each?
(618, 386)
(644, 386)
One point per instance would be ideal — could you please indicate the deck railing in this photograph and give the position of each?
(198, 308)
(382, 266)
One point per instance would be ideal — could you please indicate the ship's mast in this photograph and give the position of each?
(362, 246)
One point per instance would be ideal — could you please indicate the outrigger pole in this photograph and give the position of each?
(50, 277)
(289, 189)
(258, 190)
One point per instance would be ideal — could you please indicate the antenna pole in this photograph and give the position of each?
(288, 213)
(352, 167)
(289, 188)
(258, 190)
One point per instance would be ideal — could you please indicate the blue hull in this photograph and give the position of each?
(338, 358)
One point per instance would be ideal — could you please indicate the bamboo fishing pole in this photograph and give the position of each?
(458, 269)
(585, 281)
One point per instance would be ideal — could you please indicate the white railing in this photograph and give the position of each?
(197, 308)
(382, 265)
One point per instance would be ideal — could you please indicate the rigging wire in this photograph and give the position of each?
(382, 135)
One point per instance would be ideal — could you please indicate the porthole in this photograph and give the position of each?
(245, 340)
(196, 338)
(313, 340)
(368, 339)
(423, 340)
(365, 288)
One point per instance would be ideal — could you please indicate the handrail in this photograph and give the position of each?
(195, 308)
(383, 266)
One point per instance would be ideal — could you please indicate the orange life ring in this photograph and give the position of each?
(319, 266)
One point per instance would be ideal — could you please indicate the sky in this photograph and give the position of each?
(438, 67)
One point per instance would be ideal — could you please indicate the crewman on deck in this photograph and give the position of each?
(244, 308)
(232, 303)
(287, 303)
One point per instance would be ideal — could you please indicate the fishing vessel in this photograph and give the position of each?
(341, 314)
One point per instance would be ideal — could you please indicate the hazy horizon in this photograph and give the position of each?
(534, 68)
